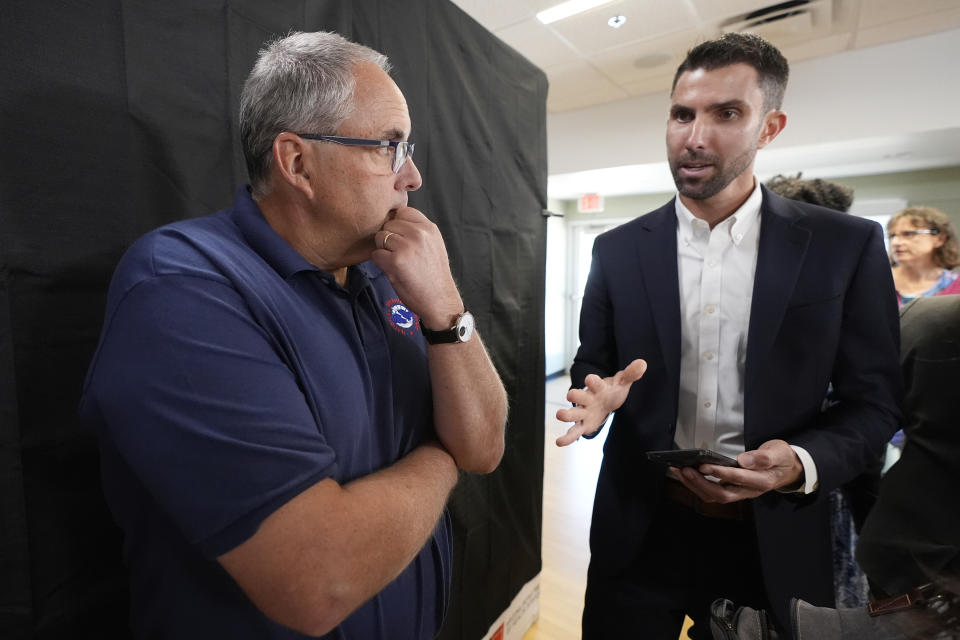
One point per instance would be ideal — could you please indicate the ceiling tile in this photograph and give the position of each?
(820, 47)
(879, 12)
(909, 28)
(577, 84)
(589, 63)
(637, 61)
(589, 32)
(653, 84)
(537, 43)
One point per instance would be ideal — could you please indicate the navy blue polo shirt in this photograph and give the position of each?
(232, 375)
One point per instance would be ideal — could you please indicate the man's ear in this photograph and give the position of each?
(288, 158)
(773, 124)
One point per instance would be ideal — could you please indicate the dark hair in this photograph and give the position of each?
(820, 192)
(946, 255)
(747, 48)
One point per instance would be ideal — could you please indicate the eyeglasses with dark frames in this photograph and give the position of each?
(402, 149)
(913, 233)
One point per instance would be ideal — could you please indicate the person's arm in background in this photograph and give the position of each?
(469, 401)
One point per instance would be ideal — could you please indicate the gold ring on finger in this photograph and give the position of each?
(385, 238)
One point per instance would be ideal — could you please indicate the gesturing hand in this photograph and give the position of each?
(597, 400)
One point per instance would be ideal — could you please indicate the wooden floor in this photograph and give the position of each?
(569, 480)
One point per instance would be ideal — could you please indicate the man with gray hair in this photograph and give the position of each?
(285, 390)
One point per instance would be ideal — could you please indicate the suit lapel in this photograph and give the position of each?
(656, 251)
(783, 245)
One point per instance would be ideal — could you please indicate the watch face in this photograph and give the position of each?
(465, 327)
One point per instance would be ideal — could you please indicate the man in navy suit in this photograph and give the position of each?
(738, 309)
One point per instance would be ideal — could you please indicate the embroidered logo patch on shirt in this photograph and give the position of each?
(402, 319)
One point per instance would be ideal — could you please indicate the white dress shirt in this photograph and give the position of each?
(716, 268)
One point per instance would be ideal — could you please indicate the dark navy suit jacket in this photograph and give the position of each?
(824, 311)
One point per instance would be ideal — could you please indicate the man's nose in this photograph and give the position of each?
(697, 134)
(409, 178)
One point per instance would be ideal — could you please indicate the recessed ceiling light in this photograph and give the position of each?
(617, 21)
(568, 8)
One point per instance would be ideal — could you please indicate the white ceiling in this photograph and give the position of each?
(609, 87)
(589, 63)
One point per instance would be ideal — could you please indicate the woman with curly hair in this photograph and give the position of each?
(923, 252)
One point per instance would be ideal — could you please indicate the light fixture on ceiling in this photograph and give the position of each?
(568, 8)
(617, 21)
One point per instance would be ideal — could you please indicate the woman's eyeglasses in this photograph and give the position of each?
(910, 235)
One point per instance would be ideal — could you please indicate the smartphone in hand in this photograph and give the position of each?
(691, 458)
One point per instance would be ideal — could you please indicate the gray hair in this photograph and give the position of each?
(302, 82)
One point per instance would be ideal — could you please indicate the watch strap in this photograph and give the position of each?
(440, 337)
(461, 331)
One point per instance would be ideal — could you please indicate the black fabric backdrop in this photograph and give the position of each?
(117, 116)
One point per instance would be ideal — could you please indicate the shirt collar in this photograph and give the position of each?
(738, 225)
(270, 246)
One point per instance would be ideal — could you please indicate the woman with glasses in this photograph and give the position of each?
(923, 252)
